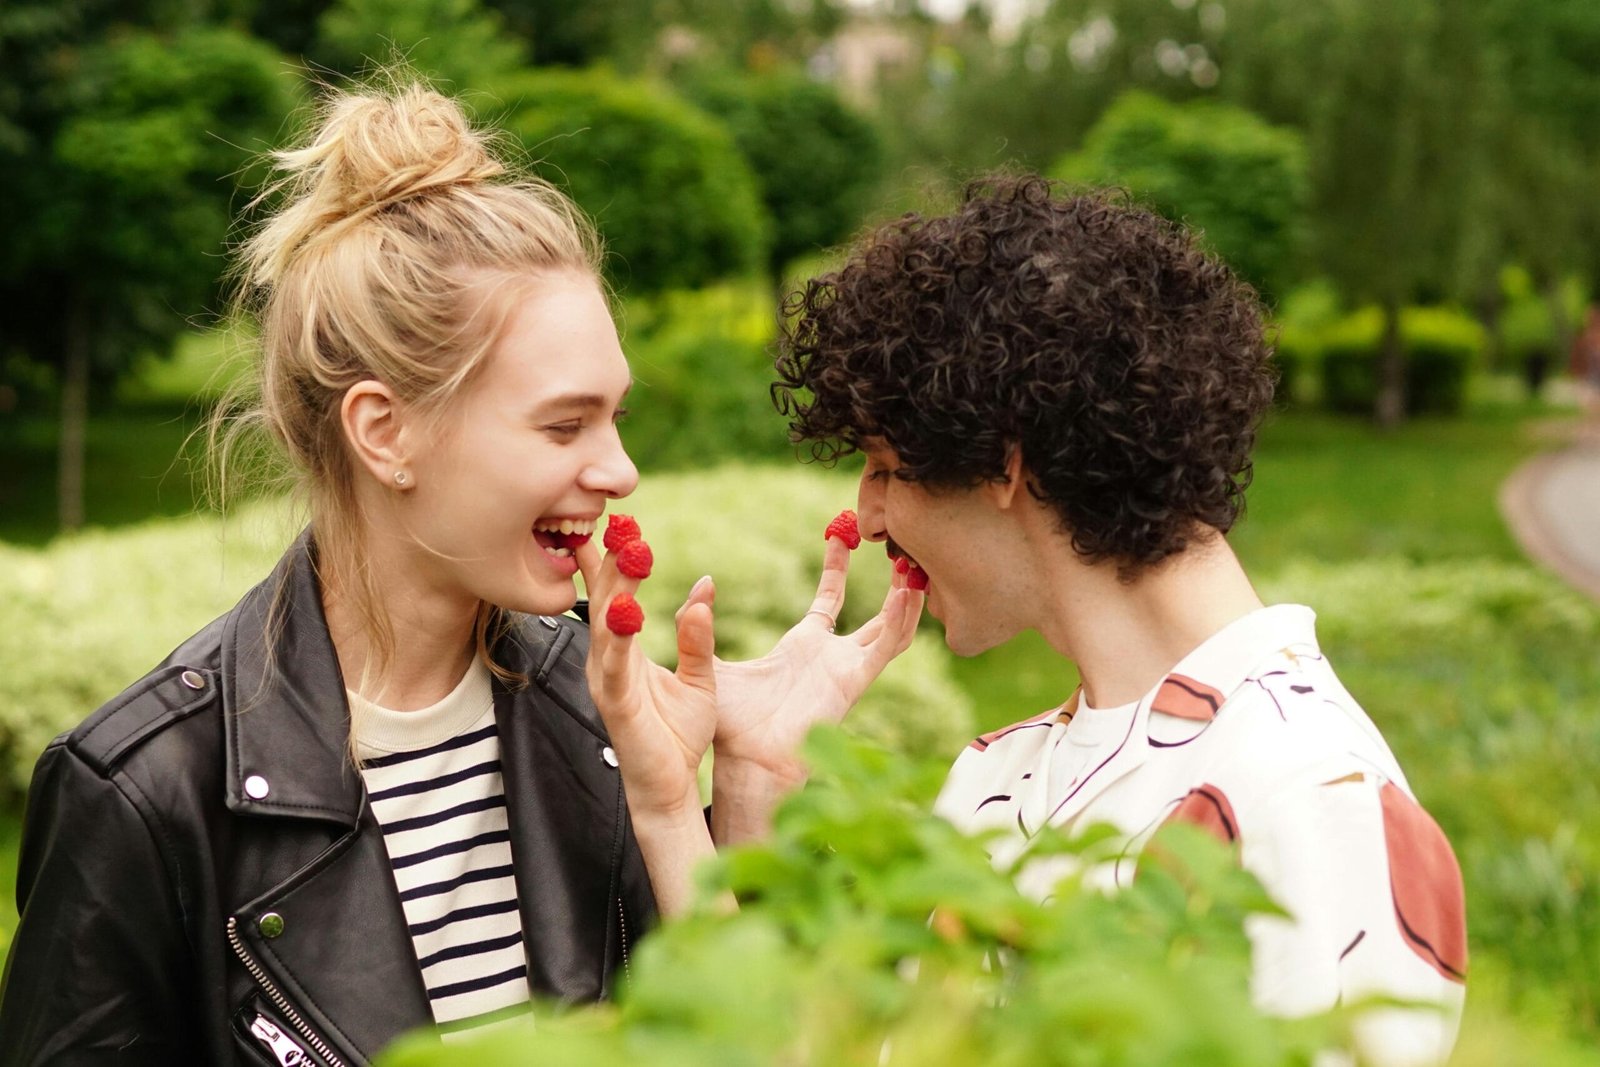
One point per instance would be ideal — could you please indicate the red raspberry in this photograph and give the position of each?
(624, 616)
(916, 578)
(901, 565)
(635, 559)
(845, 529)
(620, 529)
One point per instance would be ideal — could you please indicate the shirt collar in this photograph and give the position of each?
(1197, 687)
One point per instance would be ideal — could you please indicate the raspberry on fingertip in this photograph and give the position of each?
(624, 617)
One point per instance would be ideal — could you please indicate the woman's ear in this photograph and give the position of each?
(370, 415)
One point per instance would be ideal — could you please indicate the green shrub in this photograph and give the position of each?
(674, 198)
(88, 614)
(1441, 348)
(702, 366)
(1219, 168)
(817, 161)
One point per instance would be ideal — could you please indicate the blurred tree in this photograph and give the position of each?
(1215, 166)
(664, 181)
(817, 161)
(457, 43)
(121, 203)
(1398, 103)
(1546, 148)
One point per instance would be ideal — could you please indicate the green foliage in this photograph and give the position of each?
(701, 370)
(1441, 348)
(454, 42)
(817, 161)
(675, 200)
(833, 958)
(128, 203)
(1302, 316)
(1216, 167)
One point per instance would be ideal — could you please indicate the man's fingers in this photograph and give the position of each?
(899, 627)
(830, 588)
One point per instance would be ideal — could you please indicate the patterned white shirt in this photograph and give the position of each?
(1252, 737)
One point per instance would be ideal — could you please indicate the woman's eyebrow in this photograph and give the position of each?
(580, 401)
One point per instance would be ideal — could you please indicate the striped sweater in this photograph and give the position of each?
(433, 779)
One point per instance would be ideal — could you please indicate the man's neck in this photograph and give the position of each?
(1126, 637)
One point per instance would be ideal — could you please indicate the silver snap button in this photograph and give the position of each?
(549, 622)
(256, 787)
(193, 679)
(270, 924)
(609, 754)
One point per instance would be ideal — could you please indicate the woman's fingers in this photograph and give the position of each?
(703, 591)
(697, 646)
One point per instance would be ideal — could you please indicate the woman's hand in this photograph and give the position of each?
(765, 707)
(660, 722)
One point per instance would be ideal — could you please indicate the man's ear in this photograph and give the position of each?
(1003, 493)
(370, 417)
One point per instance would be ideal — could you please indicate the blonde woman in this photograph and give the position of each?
(376, 795)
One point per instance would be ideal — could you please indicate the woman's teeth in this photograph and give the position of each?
(566, 526)
(560, 537)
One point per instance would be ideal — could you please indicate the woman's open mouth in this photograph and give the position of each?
(560, 538)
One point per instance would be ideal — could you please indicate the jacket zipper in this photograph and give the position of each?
(284, 1048)
(278, 999)
(622, 921)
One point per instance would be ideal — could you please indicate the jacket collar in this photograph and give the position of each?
(286, 725)
(286, 722)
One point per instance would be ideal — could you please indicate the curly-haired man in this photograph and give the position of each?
(1057, 397)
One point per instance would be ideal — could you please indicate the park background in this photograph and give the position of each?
(1410, 184)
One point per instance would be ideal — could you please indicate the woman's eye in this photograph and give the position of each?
(621, 413)
(565, 429)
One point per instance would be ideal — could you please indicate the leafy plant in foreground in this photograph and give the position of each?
(872, 932)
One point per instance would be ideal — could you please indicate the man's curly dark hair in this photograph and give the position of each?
(1129, 366)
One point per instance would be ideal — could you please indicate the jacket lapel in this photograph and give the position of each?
(566, 809)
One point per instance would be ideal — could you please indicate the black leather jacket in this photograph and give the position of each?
(202, 880)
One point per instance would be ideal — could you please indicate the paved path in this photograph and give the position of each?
(1552, 504)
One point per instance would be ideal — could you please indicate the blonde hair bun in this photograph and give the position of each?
(371, 150)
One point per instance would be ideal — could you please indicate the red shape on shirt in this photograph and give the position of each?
(1207, 807)
(1429, 901)
(1187, 699)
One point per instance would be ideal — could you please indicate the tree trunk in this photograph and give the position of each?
(74, 418)
(1490, 305)
(1391, 406)
(1561, 329)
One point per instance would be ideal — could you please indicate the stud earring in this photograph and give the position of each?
(400, 478)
